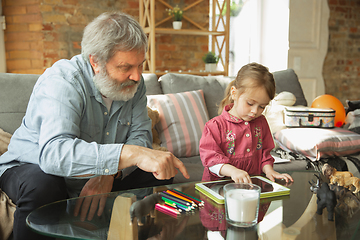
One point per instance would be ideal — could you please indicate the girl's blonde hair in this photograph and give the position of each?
(252, 75)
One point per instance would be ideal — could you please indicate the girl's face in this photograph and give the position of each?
(250, 104)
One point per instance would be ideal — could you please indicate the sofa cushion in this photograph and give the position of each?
(194, 167)
(152, 84)
(212, 86)
(287, 80)
(15, 93)
(16, 90)
(182, 119)
(316, 143)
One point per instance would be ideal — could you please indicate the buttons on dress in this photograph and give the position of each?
(247, 135)
(246, 123)
(106, 170)
(248, 150)
(107, 133)
(105, 113)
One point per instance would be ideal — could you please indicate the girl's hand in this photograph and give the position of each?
(240, 176)
(275, 175)
(237, 175)
(272, 174)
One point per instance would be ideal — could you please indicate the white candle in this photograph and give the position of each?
(242, 204)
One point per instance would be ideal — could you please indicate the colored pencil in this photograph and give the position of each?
(175, 199)
(171, 209)
(166, 208)
(170, 202)
(179, 196)
(174, 206)
(196, 200)
(179, 205)
(161, 207)
(187, 195)
(166, 211)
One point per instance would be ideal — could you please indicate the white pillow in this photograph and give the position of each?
(274, 112)
(316, 143)
(285, 98)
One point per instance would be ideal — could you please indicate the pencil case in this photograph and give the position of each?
(309, 117)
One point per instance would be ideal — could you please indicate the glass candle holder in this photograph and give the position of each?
(242, 204)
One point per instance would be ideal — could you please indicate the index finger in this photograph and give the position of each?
(249, 179)
(180, 165)
(288, 177)
(92, 208)
(85, 208)
(77, 206)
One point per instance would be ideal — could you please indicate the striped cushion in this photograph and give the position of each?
(316, 143)
(182, 119)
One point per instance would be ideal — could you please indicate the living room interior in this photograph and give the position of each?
(323, 45)
(322, 56)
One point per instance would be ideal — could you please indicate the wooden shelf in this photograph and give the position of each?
(219, 45)
(200, 73)
(184, 32)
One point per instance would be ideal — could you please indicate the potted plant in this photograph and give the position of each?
(177, 15)
(210, 59)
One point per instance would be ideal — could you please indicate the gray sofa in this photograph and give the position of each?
(213, 88)
(16, 89)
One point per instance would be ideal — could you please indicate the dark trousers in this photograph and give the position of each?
(29, 188)
(138, 179)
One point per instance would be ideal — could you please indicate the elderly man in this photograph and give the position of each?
(86, 130)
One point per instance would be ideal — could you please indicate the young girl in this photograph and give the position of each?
(238, 142)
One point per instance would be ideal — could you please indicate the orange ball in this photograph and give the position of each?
(328, 101)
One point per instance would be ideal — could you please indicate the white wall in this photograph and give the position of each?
(308, 41)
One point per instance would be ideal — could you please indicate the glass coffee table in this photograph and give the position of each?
(287, 217)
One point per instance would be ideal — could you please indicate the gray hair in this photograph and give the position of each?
(111, 32)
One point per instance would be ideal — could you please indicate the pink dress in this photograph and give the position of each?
(229, 140)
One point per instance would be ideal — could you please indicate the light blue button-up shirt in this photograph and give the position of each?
(67, 128)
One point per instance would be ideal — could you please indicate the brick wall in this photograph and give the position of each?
(40, 32)
(182, 52)
(23, 36)
(341, 69)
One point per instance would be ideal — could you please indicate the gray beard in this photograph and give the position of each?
(110, 88)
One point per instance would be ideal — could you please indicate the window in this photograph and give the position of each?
(259, 32)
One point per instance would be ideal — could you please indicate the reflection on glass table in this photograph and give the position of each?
(286, 217)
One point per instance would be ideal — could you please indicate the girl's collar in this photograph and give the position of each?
(230, 117)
